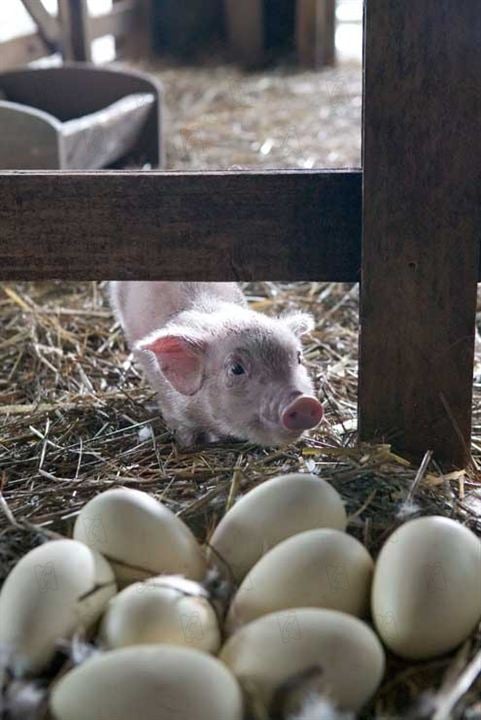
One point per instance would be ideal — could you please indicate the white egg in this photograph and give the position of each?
(54, 590)
(161, 610)
(426, 594)
(139, 536)
(269, 653)
(280, 507)
(317, 568)
(151, 683)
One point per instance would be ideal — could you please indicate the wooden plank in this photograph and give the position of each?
(117, 22)
(22, 50)
(245, 30)
(74, 21)
(47, 24)
(174, 226)
(422, 214)
(316, 32)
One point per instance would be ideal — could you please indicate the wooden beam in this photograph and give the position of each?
(298, 225)
(117, 22)
(316, 32)
(422, 214)
(22, 50)
(47, 24)
(74, 21)
(245, 30)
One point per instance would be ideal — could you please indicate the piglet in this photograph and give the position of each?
(219, 368)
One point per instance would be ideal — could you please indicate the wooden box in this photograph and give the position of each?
(78, 117)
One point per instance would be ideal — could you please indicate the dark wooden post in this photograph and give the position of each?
(422, 219)
(316, 32)
(75, 24)
(245, 29)
(136, 42)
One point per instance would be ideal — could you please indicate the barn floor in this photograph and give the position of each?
(73, 418)
(219, 118)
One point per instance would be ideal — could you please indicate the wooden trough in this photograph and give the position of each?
(79, 117)
(416, 204)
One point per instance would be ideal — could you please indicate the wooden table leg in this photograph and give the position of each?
(316, 32)
(422, 219)
(245, 29)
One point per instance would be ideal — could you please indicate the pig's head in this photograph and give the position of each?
(242, 371)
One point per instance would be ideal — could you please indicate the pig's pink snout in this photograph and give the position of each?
(304, 413)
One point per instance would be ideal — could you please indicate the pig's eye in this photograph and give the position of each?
(299, 357)
(237, 369)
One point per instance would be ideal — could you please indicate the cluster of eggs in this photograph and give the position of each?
(171, 645)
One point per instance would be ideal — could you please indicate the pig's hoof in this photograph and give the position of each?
(183, 438)
(204, 437)
(190, 438)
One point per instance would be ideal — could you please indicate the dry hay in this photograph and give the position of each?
(219, 118)
(76, 417)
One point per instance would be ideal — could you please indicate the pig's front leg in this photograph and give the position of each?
(186, 436)
(182, 420)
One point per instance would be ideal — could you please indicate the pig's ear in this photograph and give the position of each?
(300, 323)
(180, 358)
